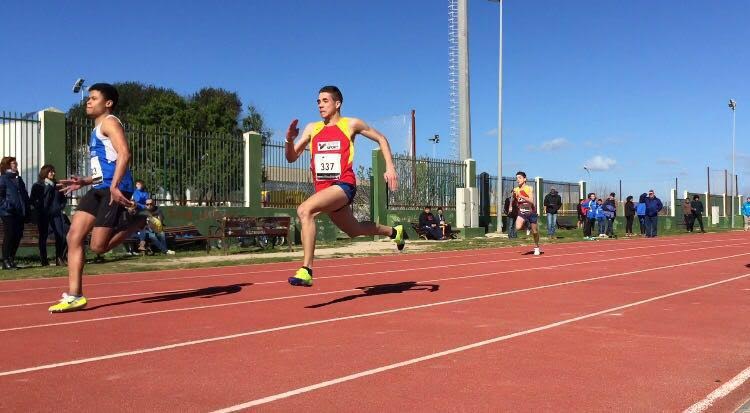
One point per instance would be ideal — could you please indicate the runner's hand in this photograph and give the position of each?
(116, 196)
(391, 178)
(293, 131)
(74, 183)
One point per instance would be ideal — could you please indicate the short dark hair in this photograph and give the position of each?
(333, 90)
(629, 198)
(696, 197)
(590, 193)
(140, 181)
(108, 91)
(427, 206)
(611, 194)
(522, 173)
(440, 208)
(46, 169)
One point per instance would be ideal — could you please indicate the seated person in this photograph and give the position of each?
(154, 230)
(429, 225)
(443, 223)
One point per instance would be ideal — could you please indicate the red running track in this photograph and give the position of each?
(625, 325)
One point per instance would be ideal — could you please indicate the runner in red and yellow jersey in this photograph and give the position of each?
(524, 196)
(331, 144)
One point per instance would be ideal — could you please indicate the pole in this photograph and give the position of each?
(499, 197)
(726, 191)
(676, 191)
(708, 191)
(413, 150)
(734, 172)
(620, 191)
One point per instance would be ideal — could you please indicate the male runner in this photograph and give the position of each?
(103, 211)
(524, 195)
(331, 143)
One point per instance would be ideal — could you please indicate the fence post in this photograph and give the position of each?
(53, 140)
(707, 208)
(673, 200)
(253, 169)
(539, 201)
(379, 201)
(581, 190)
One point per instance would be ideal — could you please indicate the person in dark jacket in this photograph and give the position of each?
(610, 213)
(14, 208)
(581, 213)
(589, 207)
(510, 209)
(428, 223)
(48, 204)
(629, 215)
(697, 207)
(653, 206)
(552, 204)
(443, 223)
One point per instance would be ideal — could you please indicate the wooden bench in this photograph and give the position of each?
(177, 236)
(266, 232)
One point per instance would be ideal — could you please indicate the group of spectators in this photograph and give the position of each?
(45, 205)
(434, 227)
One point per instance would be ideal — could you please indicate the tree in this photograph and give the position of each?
(179, 143)
(254, 122)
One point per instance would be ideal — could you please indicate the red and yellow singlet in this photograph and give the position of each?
(332, 154)
(525, 191)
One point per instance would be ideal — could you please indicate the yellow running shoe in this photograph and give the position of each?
(302, 278)
(399, 240)
(69, 303)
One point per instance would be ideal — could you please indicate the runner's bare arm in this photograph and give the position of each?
(294, 149)
(112, 129)
(360, 127)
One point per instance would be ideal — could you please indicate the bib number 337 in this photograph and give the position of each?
(327, 166)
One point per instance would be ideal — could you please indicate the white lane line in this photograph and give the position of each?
(461, 277)
(336, 319)
(721, 392)
(354, 275)
(467, 347)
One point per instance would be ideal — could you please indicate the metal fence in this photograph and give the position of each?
(426, 181)
(508, 184)
(569, 192)
(178, 167)
(20, 137)
(284, 185)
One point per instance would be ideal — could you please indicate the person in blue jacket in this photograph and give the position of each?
(653, 206)
(640, 210)
(601, 218)
(746, 213)
(589, 206)
(140, 195)
(14, 208)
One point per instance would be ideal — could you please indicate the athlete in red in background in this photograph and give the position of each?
(331, 143)
(524, 195)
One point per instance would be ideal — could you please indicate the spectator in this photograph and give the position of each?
(653, 206)
(581, 213)
(510, 209)
(552, 204)
(697, 207)
(589, 209)
(140, 195)
(746, 213)
(443, 223)
(640, 210)
(153, 232)
(48, 204)
(687, 214)
(610, 212)
(601, 219)
(629, 215)
(14, 208)
(429, 225)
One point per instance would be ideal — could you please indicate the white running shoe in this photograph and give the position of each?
(537, 251)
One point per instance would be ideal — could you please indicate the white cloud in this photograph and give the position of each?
(600, 163)
(667, 161)
(491, 132)
(553, 145)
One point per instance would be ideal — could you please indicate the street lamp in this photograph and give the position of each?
(733, 106)
(435, 140)
(499, 198)
(78, 86)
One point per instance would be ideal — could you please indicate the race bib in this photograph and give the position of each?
(96, 171)
(327, 166)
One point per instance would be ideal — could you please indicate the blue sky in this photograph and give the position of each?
(637, 90)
